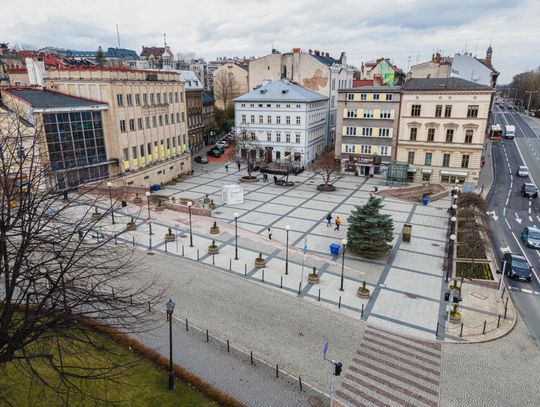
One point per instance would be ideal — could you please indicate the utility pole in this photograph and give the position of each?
(118, 35)
(530, 92)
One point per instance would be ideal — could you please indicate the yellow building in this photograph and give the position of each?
(230, 80)
(442, 129)
(145, 123)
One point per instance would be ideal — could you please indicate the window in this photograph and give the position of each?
(350, 96)
(446, 160)
(352, 113)
(287, 137)
(410, 157)
(278, 119)
(383, 150)
(170, 97)
(365, 149)
(415, 110)
(125, 153)
(426, 177)
(176, 97)
(468, 136)
(131, 124)
(389, 97)
(151, 98)
(375, 96)
(472, 111)
(431, 134)
(260, 105)
(448, 111)
(413, 134)
(243, 118)
(268, 136)
(145, 99)
(297, 138)
(120, 100)
(287, 106)
(384, 132)
(438, 111)
(288, 120)
(149, 148)
(298, 106)
(449, 135)
(172, 118)
(367, 131)
(129, 99)
(349, 148)
(261, 119)
(153, 121)
(385, 114)
(134, 152)
(252, 118)
(278, 137)
(160, 120)
(297, 119)
(368, 114)
(158, 95)
(168, 140)
(350, 131)
(137, 99)
(183, 118)
(147, 121)
(427, 160)
(465, 161)
(166, 119)
(122, 125)
(253, 137)
(164, 98)
(363, 96)
(141, 150)
(269, 119)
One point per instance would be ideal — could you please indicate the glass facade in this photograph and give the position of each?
(76, 147)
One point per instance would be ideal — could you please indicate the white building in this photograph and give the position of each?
(285, 119)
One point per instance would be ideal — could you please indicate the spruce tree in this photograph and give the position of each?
(370, 231)
(100, 57)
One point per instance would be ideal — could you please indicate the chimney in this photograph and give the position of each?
(296, 50)
(310, 51)
(317, 52)
(327, 54)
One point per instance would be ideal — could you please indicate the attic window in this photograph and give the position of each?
(284, 91)
(263, 91)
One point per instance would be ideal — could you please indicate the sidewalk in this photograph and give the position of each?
(485, 180)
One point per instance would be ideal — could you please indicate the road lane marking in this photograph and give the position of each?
(524, 255)
(530, 219)
(523, 290)
(504, 209)
(538, 217)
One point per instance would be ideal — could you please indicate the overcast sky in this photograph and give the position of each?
(364, 29)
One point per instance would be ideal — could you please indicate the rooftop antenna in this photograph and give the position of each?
(417, 59)
(118, 35)
(408, 63)
(476, 50)
(165, 40)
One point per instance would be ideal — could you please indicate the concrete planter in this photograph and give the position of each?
(159, 208)
(131, 226)
(362, 292)
(170, 237)
(326, 187)
(313, 278)
(247, 178)
(213, 249)
(260, 263)
(137, 200)
(96, 215)
(214, 230)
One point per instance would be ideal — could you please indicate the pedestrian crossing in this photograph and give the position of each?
(392, 370)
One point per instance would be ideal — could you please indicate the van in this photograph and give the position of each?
(509, 131)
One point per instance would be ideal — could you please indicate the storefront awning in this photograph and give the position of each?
(427, 170)
(455, 173)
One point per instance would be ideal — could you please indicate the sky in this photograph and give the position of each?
(405, 31)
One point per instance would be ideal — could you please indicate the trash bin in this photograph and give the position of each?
(156, 187)
(425, 200)
(334, 249)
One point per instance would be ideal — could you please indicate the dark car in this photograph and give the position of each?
(200, 160)
(529, 190)
(531, 237)
(214, 152)
(517, 267)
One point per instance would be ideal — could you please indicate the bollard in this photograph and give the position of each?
(277, 371)
(484, 330)
(112, 289)
(133, 239)
(187, 326)
(281, 282)
(362, 311)
(339, 303)
(461, 331)
(207, 340)
(149, 309)
(197, 254)
(150, 243)
(245, 269)
(131, 299)
(504, 289)
(115, 242)
(506, 303)
(437, 329)
(299, 287)
(499, 320)
(230, 264)
(228, 347)
(505, 309)
(166, 251)
(300, 382)
(213, 259)
(182, 250)
(251, 357)
(319, 297)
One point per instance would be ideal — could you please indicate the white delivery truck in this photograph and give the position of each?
(509, 131)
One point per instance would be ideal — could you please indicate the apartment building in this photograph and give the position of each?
(144, 125)
(442, 128)
(194, 110)
(230, 80)
(285, 119)
(367, 124)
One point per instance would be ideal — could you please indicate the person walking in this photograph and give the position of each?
(124, 206)
(238, 164)
(328, 220)
(269, 233)
(227, 167)
(275, 179)
(338, 222)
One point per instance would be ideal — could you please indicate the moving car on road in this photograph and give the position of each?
(517, 267)
(509, 131)
(531, 237)
(522, 171)
(214, 152)
(529, 190)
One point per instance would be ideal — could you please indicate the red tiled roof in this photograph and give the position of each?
(99, 68)
(356, 83)
(17, 70)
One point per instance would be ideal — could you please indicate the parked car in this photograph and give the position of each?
(517, 267)
(200, 160)
(529, 190)
(522, 171)
(222, 144)
(531, 237)
(214, 152)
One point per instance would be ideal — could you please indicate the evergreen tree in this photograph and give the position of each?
(100, 57)
(370, 231)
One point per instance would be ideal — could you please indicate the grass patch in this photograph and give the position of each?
(476, 270)
(463, 252)
(142, 384)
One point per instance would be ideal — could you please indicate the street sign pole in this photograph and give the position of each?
(332, 386)
(303, 261)
(502, 276)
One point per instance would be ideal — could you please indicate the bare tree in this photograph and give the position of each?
(54, 275)
(327, 167)
(248, 149)
(226, 88)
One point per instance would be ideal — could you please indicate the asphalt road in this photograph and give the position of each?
(510, 213)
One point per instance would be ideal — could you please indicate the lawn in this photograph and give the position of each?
(143, 384)
(479, 270)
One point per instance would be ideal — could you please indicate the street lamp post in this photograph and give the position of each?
(450, 256)
(170, 309)
(149, 220)
(60, 259)
(454, 209)
(189, 204)
(109, 184)
(287, 228)
(344, 243)
(455, 198)
(453, 220)
(236, 235)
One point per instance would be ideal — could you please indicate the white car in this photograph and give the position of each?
(522, 171)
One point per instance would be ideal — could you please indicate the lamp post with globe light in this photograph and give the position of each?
(189, 205)
(287, 228)
(236, 235)
(344, 243)
(149, 220)
(109, 185)
(170, 309)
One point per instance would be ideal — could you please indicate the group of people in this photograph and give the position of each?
(337, 222)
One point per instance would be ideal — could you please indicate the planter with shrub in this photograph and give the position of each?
(137, 199)
(96, 215)
(260, 262)
(160, 207)
(131, 225)
(213, 249)
(455, 315)
(313, 278)
(363, 292)
(214, 229)
(170, 236)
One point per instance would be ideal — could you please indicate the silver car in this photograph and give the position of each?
(522, 171)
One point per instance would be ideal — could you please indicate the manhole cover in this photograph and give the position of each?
(301, 334)
(480, 296)
(410, 295)
(315, 401)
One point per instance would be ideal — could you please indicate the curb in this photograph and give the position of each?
(488, 189)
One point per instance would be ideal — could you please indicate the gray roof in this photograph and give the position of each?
(207, 98)
(44, 99)
(281, 90)
(326, 60)
(442, 84)
(190, 79)
(372, 89)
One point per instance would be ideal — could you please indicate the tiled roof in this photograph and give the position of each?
(326, 60)
(281, 90)
(156, 51)
(442, 84)
(45, 99)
